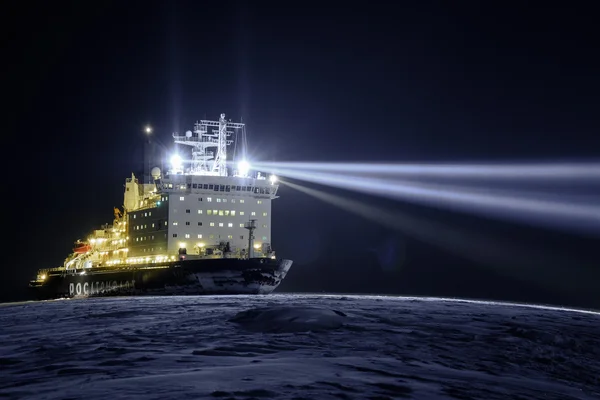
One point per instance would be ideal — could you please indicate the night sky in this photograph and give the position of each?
(364, 81)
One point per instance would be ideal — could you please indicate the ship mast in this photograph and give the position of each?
(206, 162)
(251, 226)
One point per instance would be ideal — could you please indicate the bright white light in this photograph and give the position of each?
(243, 168)
(148, 129)
(550, 209)
(272, 179)
(176, 161)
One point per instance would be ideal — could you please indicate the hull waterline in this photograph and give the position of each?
(189, 277)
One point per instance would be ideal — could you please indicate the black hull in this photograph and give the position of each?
(188, 277)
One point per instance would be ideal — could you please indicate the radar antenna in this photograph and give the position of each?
(209, 162)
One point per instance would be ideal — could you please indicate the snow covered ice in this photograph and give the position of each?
(285, 346)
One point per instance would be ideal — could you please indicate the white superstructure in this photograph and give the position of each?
(198, 208)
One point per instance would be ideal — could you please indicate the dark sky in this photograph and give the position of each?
(363, 81)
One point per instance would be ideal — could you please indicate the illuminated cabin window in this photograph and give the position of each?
(229, 236)
(218, 200)
(181, 198)
(199, 211)
(232, 212)
(224, 200)
(253, 213)
(220, 224)
(221, 213)
(199, 236)
(241, 225)
(264, 225)
(241, 200)
(212, 224)
(226, 212)
(264, 238)
(233, 200)
(241, 213)
(209, 199)
(187, 235)
(215, 212)
(153, 225)
(209, 212)
(175, 223)
(264, 214)
(150, 213)
(259, 202)
(230, 225)
(145, 214)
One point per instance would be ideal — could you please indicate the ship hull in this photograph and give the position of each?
(188, 277)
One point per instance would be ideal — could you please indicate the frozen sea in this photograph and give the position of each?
(296, 346)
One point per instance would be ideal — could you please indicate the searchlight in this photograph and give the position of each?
(243, 168)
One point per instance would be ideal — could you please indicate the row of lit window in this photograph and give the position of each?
(144, 238)
(188, 236)
(226, 213)
(221, 200)
(218, 188)
(212, 236)
(146, 214)
(220, 213)
(221, 224)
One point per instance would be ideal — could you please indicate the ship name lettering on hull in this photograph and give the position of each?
(93, 288)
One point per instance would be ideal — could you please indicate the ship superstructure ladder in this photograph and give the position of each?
(205, 162)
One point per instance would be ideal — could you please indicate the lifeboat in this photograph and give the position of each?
(81, 248)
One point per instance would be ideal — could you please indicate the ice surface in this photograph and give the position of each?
(296, 347)
(284, 319)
